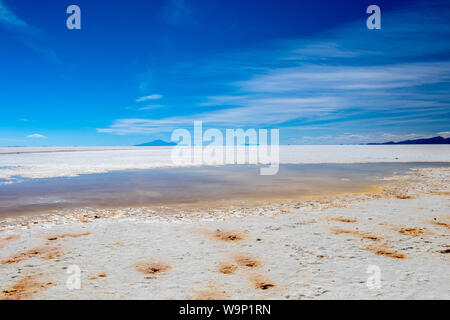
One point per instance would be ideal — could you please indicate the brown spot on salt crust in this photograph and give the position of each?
(404, 197)
(25, 288)
(441, 224)
(411, 231)
(6, 240)
(226, 268)
(342, 220)
(261, 283)
(151, 267)
(98, 275)
(385, 250)
(44, 252)
(440, 193)
(356, 233)
(243, 261)
(68, 235)
(229, 235)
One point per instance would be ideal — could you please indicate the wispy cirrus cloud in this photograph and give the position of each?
(347, 77)
(151, 107)
(10, 19)
(36, 136)
(445, 134)
(151, 97)
(29, 35)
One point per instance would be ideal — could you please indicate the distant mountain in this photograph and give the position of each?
(157, 143)
(434, 140)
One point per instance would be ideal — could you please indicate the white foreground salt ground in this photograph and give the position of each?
(310, 249)
(48, 162)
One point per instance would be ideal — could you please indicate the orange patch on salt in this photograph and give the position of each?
(25, 288)
(226, 268)
(261, 283)
(151, 267)
(441, 224)
(345, 220)
(415, 232)
(98, 275)
(356, 233)
(244, 261)
(229, 235)
(44, 252)
(404, 197)
(440, 193)
(385, 250)
(68, 235)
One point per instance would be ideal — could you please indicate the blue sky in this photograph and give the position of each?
(137, 70)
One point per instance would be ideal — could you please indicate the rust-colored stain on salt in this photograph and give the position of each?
(229, 235)
(226, 268)
(385, 250)
(261, 283)
(440, 193)
(98, 275)
(415, 232)
(26, 288)
(44, 252)
(356, 233)
(440, 223)
(68, 235)
(345, 220)
(222, 235)
(247, 262)
(152, 267)
(404, 197)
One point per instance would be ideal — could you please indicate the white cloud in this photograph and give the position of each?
(29, 35)
(341, 78)
(347, 78)
(8, 17)
(36, 136)
(445, 134)
(151, 97)
(14, 23)
(150, 107)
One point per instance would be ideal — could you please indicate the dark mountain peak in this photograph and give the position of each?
(434, 140)
(157, 143)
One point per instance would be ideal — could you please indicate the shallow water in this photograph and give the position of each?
(193, 187)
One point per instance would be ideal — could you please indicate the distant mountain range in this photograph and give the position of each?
(157, 143)
(434, 140)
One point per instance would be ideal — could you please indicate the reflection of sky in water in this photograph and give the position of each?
(193, 186)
